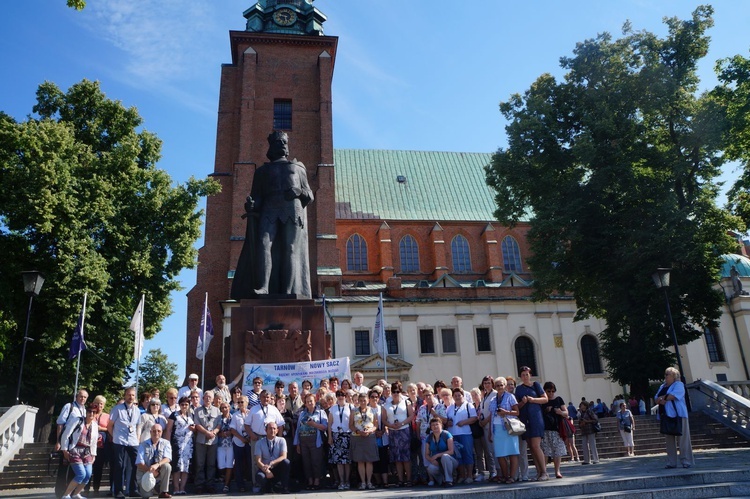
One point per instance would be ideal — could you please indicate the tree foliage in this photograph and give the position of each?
(84, 203)
(157, 372)
(614, 167)
(734, 93)
(77, 4)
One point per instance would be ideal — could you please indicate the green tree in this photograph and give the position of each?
(734, 94)
(77, 4)
(84, 203)
(614, 169)
(157, 372)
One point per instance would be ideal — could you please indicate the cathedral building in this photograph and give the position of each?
(414, 226)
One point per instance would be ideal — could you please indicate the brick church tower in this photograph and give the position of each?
(279, 78)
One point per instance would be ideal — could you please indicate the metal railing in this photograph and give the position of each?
(722, 404)
(16, 429)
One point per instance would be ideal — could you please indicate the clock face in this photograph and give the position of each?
(285, 17)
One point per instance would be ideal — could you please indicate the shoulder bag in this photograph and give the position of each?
(670, 426)
(514, 426)
(476, 430)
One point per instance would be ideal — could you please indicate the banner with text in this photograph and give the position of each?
(312, 371)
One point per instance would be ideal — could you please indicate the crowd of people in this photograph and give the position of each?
(339, 435)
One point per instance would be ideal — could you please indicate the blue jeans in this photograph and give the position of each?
(81, 472)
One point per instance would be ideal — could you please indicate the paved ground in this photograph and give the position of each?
(707, 462)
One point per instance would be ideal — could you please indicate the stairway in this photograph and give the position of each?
(705, 433)
(31, 469)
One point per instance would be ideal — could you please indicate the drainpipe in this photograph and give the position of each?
(736, 331)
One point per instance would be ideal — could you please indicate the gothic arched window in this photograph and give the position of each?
(511, 255)
(356, 253)
(409, 254)
(461, 254)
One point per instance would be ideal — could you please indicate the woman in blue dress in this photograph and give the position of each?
(531, 397)
(505, 445)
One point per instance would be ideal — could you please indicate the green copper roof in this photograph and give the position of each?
(740, 262)
(412, 185)
(290, 17)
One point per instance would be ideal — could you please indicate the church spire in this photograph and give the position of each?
(291, 17)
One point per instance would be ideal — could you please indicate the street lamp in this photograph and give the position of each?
(32, 285)
(661, 280)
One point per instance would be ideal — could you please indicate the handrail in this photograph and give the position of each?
(16, 429)
(721, 404)
(741, 388)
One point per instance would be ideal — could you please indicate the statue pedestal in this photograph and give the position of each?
(271, 330)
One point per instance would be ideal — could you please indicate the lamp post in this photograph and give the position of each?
(661, 280)
(32, 285)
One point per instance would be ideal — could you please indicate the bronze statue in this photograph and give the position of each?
(275, 258)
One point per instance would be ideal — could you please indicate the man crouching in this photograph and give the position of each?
(153, 459)
(270, 458)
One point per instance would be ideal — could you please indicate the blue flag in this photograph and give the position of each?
(77, 344)
(207, 326)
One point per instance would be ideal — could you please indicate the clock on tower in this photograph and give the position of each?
(293, 17)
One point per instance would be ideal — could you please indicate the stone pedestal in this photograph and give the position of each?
(267, 331)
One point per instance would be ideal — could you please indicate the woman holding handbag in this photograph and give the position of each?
(671, 400)
(627, 427)
(505, 445)
(587, 422)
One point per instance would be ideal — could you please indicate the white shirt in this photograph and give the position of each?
(458, 414)
(396, 413)
(186, 390)
(262, 414)
(238, 425)
(71, 409)
(339, 416)
(485, 410)
(360, 389)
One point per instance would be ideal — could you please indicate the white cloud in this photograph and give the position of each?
(173, 47)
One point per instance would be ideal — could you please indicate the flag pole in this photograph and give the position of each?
(78, 363)
(139, 337)
(381, 335)
(203, 346)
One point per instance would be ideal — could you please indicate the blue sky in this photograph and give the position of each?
(409, 74)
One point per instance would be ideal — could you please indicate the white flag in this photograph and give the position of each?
(136, 325)
(379, 340)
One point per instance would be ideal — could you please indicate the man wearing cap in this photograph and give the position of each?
(153, 463)
(191, 386)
